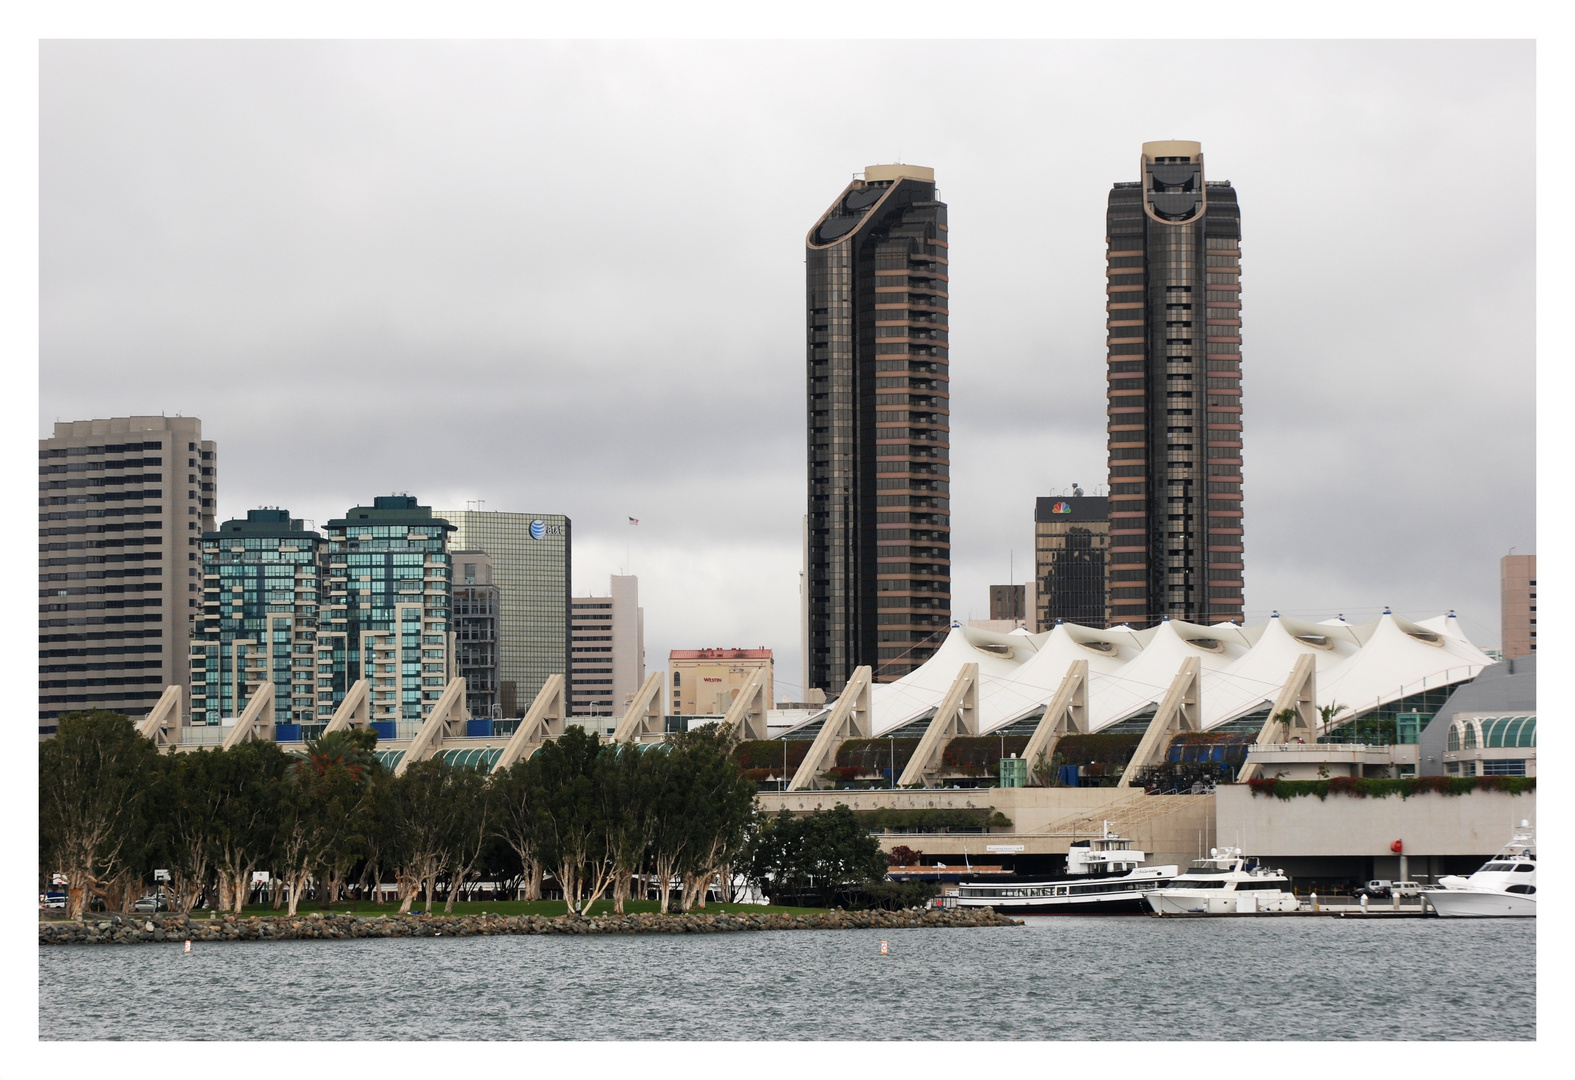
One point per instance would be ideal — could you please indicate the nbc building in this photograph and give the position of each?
(1174, 374)
(878, 550)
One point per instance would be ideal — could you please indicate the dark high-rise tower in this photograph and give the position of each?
(878, 571)
(1174, 285)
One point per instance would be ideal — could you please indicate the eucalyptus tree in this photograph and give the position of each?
(514, 819)
(624, 778)
(187, 806)
(721, 803)
(468, 829)
(668, 795)
(569, 829)
(248, 797)
(94, 778)
(339, 770)
(417, 812)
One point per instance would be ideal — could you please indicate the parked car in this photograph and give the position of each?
(52, 899)
(151, 903)
(1405, 889)
(1376, 890)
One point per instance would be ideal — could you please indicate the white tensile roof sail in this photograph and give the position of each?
(1143, 682)
(896, 703)
(1244, 667)
(1257, 677)
(1400, 658)
(1035, 682)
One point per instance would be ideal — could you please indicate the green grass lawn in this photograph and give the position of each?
(525, 907)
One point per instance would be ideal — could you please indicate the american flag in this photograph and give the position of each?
(634, 521)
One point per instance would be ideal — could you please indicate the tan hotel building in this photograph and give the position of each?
(705, 681)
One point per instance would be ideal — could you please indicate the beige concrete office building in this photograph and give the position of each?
(122, 506)
(704, 682)
(1518, 612)
(607, 648)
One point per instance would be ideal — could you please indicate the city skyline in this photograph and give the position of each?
(338, 230)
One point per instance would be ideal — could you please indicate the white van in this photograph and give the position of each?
(1405, 889)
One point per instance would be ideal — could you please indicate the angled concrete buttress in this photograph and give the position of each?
(851, 718)
(1067, 714)
(256, 722)
(746, 717)
(644, 716)
(542, 721)
(355, 711)
(162, 725)
(1179, 710)
(445, 721)
(958, 714)
(1299, 696)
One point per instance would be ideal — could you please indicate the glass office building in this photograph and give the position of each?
(531, 568)
(386, 615)
(259, 620)
(878, 551)
(1174, 386)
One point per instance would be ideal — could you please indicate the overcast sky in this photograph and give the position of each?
(568, 278)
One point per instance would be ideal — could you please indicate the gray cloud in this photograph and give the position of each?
(568, 277)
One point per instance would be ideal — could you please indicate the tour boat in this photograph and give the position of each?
(1225, 883)
(1505, 887)
(1104, 876)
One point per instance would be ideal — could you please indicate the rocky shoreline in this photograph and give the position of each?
(135, 929)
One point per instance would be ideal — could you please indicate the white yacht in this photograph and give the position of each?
(1225, 883)
(1505, 887)
(1105, 875)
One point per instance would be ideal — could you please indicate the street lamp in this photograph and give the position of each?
(893, 741)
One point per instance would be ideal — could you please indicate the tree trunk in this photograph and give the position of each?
(533, 879)
(78, 885)
(664, 881)
(297, 887)
(405, 890)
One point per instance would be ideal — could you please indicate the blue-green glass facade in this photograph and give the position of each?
(259, 618)
(386, 615)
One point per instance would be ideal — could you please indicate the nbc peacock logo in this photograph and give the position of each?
(1061, 508)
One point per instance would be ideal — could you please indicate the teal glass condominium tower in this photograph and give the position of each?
(386, 614)
(259, 619)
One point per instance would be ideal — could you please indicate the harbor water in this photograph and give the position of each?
(1062, 978)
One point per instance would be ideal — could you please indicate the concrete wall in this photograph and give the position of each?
(1475, 824)
(1169, 828)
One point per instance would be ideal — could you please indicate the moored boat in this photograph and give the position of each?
(1505, 886)
(1105, 875)
(1225, 883)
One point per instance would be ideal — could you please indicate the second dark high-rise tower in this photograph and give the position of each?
(878, 552)
(1174, 369)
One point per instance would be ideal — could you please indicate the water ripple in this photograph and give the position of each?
(1061, 978)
